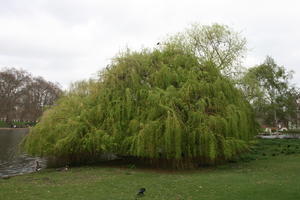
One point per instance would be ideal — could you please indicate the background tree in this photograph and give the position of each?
(13, 84)
(217, 43)
(268, 89)
(23, 97)
(39, 95)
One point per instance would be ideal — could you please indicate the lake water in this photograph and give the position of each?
(12, 160)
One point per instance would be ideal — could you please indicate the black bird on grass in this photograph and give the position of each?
(141, 192)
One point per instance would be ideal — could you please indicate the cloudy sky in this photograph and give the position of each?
(69, 40)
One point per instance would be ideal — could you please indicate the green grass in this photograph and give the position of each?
(268, 174)
(3, 124)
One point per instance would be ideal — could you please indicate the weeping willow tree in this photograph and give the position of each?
(160, 106)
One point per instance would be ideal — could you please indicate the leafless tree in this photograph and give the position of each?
(13, 83)
(24, 97)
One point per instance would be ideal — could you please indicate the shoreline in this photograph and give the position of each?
(13, 128)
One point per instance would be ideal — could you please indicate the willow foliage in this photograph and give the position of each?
(161, 106)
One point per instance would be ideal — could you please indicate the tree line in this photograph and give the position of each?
(275, 100)
(24, 97)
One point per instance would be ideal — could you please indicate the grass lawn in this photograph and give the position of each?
(271, 171)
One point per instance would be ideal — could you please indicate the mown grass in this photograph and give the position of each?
(272, 171)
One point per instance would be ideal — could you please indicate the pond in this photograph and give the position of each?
(12, 160)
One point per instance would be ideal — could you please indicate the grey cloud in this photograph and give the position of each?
(66, 40)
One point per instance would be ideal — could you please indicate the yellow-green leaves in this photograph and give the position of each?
(161, 106)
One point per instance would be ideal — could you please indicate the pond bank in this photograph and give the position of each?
(268, 179)
(270, 172)
(280, 136)
(14, 129)
(12, 160)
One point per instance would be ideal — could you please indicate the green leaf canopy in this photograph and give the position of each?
(160, 106)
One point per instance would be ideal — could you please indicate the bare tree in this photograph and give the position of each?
(40, 94)
(13, 83)
(23, 97)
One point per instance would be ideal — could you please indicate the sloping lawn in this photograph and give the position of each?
(269, 175)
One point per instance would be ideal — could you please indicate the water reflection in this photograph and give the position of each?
(12, 161)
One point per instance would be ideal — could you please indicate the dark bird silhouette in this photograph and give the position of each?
(158, 43)
(38, 167)
(141, 192)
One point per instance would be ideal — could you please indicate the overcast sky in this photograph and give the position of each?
(69, 40)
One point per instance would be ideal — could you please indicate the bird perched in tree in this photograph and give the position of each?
(141, 192)
(38, 167)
